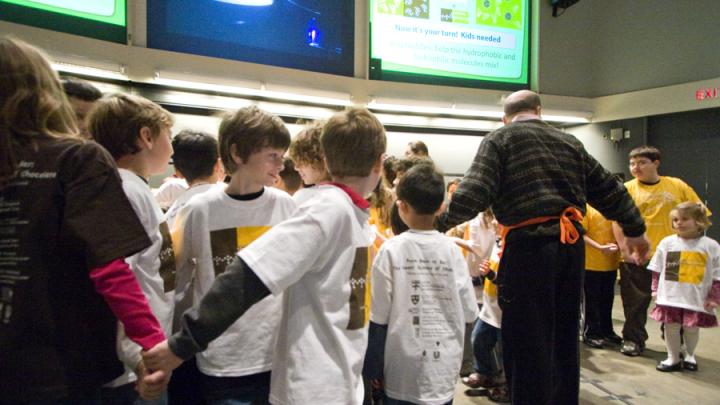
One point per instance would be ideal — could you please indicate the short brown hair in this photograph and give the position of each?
(306, 149)
(352, 142)
(250, 129)
(116, 120)
(645, 151)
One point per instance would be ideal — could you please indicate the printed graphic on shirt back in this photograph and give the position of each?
(685, 267)
(358, 284)
(225, 243)
(167, 259)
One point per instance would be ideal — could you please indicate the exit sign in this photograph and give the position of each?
(707, 93)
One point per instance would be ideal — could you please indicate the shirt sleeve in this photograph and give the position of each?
(117, 284)
(95, 201)
(657, 262)
(282, 255)
(381, 285)
(477, 188)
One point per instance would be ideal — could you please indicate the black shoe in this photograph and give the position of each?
(666, 369)
(597, 343)
(613, 339)
(689, 366)
(630, 348)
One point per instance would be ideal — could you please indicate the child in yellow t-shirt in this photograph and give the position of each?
(601, 263)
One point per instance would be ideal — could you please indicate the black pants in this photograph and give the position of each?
(635, 283)
(599, 295)
(539, 285)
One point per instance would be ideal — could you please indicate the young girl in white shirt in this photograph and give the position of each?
(686, 284)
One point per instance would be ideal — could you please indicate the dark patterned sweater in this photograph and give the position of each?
(529, 169)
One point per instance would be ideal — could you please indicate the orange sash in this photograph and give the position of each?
(568, 233)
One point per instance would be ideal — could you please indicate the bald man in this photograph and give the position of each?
(532, 174)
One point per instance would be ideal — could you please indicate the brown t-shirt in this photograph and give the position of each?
(64, 214)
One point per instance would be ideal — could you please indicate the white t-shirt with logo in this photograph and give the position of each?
(687, 269)
(209, 230)
(154, 268)
(319, 259)
(422, 290)
(183, 198)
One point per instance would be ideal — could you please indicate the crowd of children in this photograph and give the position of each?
(343, 293)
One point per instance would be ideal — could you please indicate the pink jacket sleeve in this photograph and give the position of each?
(120, 289)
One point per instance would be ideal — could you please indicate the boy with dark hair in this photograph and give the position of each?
(82, 97)
(424, 270)
(136, 132)
(195, 157)
(210, 230)
(655, 196)
(320, 258)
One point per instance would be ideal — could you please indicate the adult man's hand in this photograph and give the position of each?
(638, 247)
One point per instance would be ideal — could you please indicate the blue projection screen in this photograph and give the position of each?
(314, 35)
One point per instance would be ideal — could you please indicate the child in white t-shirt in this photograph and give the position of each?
(136, 132)
(686, 283)
(195, 156)
(209, 231)
(423, 295)
(319, 259)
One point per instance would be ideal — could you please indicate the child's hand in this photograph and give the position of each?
(653, 294)
(609, 249)
(710, 305)
(485, 267)
(149, 391)
(162, 358)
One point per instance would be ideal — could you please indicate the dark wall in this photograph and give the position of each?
(690, 147)
(603, 47)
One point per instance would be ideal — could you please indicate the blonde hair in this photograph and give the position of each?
(115, 122)
(694, 210)
(32, 102)
(306, 149)
(353, 140)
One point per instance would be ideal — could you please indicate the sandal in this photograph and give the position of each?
(477, 380)
(499, 394)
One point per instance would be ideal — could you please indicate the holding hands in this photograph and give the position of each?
(162, 361)
(152, 388)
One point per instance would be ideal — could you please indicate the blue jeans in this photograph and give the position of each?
(485, 340)
(126, 395)
(390, 401)
(246, 390)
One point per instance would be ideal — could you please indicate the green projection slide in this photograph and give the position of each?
(105, 11)
(484, 40)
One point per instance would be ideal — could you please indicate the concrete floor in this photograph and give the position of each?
(609, 377)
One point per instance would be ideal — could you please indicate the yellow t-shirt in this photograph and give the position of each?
(656, 201)
(599, 229)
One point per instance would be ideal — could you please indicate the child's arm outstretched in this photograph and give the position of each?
(608, 248)
(231, 295)
(119, 287)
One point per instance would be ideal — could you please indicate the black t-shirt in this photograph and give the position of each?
(64, 214)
